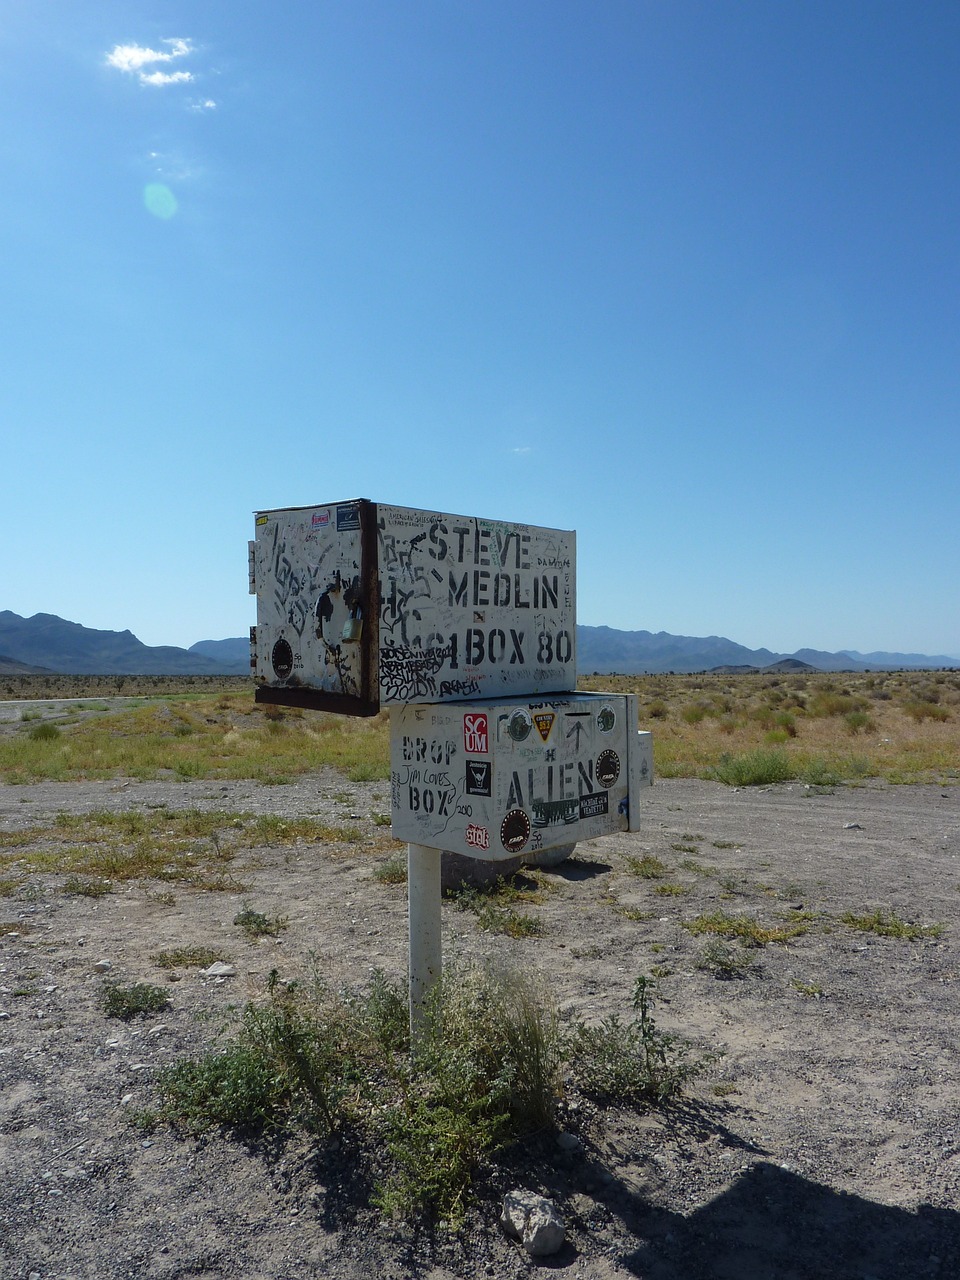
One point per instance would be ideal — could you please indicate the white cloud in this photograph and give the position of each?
(132, 58)
(523, 448)
(206, 104)
(166, 77)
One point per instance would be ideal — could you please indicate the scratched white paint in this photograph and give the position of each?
(465, 608)
(500, 778)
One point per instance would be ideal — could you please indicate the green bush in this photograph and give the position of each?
(131, 1002)
(754, 768)
(488, 1068)
(619, 1062)
(45, 731)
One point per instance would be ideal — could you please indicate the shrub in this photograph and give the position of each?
(858, 722)
(916, 710)
(634, 1061)
(45, 731)
(487, 1069)
(131, 1002)
(754, 768)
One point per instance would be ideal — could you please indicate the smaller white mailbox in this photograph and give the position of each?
(500, 778)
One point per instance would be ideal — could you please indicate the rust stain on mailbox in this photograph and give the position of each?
(363, 604)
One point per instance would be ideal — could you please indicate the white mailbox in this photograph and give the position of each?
(500, 778)
(362, 605)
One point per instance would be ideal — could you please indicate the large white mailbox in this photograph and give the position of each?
(362, 605)
(501, 778)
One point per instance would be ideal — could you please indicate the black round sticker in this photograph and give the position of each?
(282, 658)
(515, 830)
(608, 768)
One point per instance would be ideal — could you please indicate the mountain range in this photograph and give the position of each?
(48, 643)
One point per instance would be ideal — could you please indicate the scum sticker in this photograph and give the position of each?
(475, 736)
(606, 719)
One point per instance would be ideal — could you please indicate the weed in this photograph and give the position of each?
(188, 958)
(87, 886)
(859, 722)
(818, 773)
(887, 924)
(750, 932)
(725, 1089)
(391, 871)
(921, 710)
(13, 928)
(754, 768)
(647, 866)
(634, 1061)
(698, 868)
(632, 913)
(681, 847)
(723, 961)
(672, 890)
(812, 990)
(256, 925)
(132, 1002)
(45, 731)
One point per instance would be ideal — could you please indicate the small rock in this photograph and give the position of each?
(218, 970)
(534, 1221)
(103, 966)
(852, 826)
(569, 1142)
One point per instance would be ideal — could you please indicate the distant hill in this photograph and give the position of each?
(235, 651)
(71, 649)
(51, 643)
(605, 650)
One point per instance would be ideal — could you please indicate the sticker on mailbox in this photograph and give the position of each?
(544, 722)
(475, 737)
(608, 768)
(479, 777)
(515, 830)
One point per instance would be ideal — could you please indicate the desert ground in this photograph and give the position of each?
(822, 1141)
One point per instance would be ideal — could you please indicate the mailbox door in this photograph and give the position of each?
(314, 574)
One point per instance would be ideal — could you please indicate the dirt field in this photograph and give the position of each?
(824, 1142)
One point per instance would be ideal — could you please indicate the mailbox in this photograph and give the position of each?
(362, 605)
(504, 778)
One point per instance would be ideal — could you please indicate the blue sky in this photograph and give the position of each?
(684, 277)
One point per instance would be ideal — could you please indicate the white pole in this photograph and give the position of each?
(423, 905)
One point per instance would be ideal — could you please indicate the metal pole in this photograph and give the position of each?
(423, 905)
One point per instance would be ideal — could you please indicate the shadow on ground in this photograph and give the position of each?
(775, 1225)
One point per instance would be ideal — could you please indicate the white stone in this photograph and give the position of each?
(218, 970)
(534, 1221)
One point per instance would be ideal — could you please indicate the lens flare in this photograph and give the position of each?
(160, 200)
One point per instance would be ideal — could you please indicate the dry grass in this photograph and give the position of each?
(901, 726)
(823, 729)
(187, 847)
